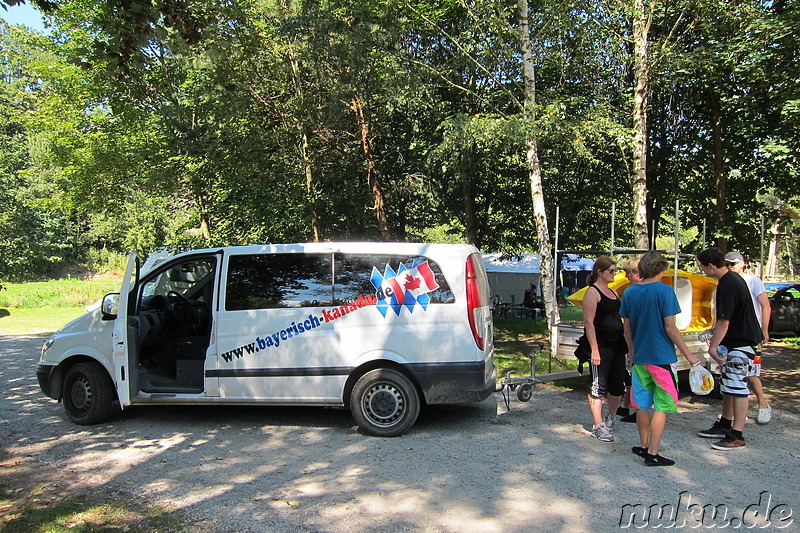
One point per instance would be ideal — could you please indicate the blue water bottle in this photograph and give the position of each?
(722, 352)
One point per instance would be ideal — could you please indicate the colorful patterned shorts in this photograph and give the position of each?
(654, 386)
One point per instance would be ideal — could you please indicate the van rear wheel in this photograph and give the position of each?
(384, 403)
(88, 394)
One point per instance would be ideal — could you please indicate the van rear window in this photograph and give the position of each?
(354, 274)
(268, 281)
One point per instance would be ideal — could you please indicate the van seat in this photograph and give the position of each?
(190, 348)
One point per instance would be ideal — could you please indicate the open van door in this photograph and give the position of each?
(121, 339)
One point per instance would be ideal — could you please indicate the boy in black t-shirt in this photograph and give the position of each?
(736, 329)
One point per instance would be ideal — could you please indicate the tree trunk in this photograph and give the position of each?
(470, 217)
(641, 26)
(372, 168)
(772, 261)
(309, 173)
(205, 223)
(305, 158)
(535, 172)
(720, 179)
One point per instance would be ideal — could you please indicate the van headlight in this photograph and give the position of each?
(47, 344)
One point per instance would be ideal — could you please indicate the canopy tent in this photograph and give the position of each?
(511, 275)
(574, 271)
(572, 262)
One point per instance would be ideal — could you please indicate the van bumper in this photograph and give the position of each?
(453, 382)
(44, 374)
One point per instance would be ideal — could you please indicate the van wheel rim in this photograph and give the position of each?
(384, 404)
(81, 394)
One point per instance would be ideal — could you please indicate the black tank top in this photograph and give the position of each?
(607, 322)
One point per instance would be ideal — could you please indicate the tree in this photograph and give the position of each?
(641, 29)
(534, 170)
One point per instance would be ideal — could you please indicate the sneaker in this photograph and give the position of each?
(715, 432)
(657, 460)
(630, 418)
(623, 411)
(609, 423)
(641, 451)
(603, 433)
(764, 415)
(728, 443)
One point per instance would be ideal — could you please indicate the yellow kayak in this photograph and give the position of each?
(695, 294)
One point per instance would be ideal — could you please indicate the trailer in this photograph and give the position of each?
(695, 293)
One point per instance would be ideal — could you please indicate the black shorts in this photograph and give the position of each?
(609, 376)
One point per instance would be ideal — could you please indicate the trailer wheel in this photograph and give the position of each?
(88, 394)
(384, 403)
(524, 392)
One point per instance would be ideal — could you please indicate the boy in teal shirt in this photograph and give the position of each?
(648, 310)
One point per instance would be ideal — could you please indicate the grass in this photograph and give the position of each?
(55, 293)
(78, 515)
(516, 339)
(36, 321)
(35, 308)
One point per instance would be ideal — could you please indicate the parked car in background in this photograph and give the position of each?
(774, 286)
(785, 309)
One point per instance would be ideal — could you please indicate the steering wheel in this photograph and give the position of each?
(178, 305)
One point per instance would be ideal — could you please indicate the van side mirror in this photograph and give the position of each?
(110, 306)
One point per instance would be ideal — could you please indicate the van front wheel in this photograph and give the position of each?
(88, 394)
(384, 403)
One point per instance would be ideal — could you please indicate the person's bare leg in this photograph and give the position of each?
(739, 408)
(643, 425)
(596, 408)
(757, 388)
(626, 399)
(727, 406)
(657, 424)
(613, 404)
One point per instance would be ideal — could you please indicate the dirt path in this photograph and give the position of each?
(461, 469)
(780, 375)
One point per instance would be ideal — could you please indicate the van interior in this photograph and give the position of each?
(172, 324)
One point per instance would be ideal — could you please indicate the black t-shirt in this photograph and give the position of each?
(734, 304)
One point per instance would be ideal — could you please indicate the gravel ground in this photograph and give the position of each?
(461, 469)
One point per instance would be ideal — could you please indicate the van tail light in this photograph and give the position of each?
(474, 303)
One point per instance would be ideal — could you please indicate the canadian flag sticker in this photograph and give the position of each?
(405, 288)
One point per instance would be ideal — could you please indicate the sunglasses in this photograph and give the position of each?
(612, 270)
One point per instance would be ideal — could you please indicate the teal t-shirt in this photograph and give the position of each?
(645, 306)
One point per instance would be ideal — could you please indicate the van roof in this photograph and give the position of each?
(407, 248)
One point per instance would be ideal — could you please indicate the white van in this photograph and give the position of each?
(376, 327)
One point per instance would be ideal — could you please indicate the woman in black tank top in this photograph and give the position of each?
(604, 331)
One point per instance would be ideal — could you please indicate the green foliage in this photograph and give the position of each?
(215, 123)
(792, 341)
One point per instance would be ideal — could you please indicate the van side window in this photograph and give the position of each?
(268, 281)
(354, 273)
